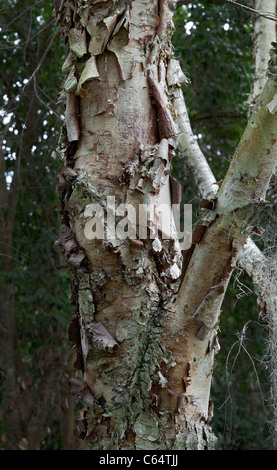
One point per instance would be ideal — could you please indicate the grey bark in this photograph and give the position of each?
(145, 335)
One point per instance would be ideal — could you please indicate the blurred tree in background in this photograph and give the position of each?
(35, 354)
(214, 44)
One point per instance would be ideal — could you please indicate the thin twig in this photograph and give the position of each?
(265, 14)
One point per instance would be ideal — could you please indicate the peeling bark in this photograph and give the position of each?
(240, 201)
(145, 335)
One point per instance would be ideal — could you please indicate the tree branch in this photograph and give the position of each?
(250, 257)
(264, 35)
(265, 14)
(240, 199)
(193, 155)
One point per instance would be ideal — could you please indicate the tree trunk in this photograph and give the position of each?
(145, 334)
(264, 34)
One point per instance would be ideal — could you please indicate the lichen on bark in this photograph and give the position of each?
(145, 335)
(116, 148)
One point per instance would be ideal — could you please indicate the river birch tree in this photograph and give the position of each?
(146, 311)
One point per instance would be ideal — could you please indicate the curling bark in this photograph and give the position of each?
(145, 314)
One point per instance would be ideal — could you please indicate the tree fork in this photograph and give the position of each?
(145, 343)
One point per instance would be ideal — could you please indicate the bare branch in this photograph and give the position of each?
(193, 155)
(241, 197)
(264, 35)
(266, 14)
(250, 257)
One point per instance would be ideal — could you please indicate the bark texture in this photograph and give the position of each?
(264, 34)
(145, 334)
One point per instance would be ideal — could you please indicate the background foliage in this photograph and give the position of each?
(213, 42)
(30, 80)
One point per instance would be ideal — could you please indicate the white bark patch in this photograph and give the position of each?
(162, 380)
(86, 347)
(174, 271)
(110, 22)
(71, 118)
(272, 106)
(156, 244)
